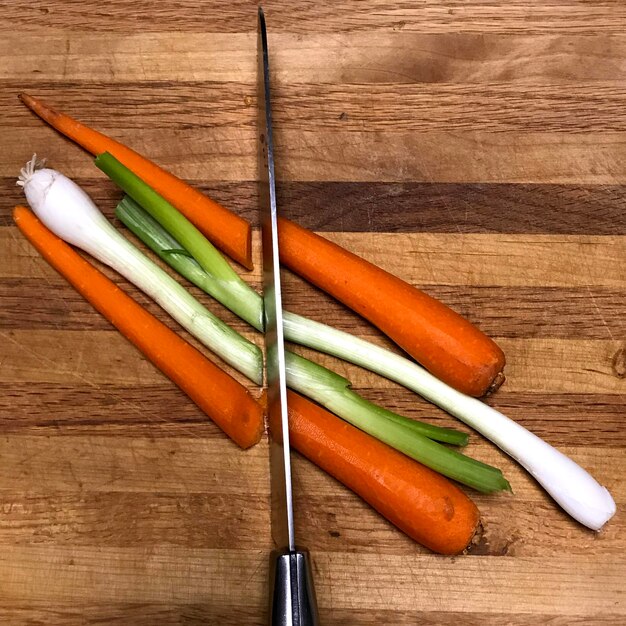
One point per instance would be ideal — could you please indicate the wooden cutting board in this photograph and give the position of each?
(475, 149)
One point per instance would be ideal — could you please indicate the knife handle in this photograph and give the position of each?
(292, 595)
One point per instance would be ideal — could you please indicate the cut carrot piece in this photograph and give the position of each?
(425, 505)
(228, 231)
(219, 395)
(445, 343)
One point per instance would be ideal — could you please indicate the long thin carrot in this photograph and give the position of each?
(228, 231)
(219, 395)
(425, 505)
(445, 343)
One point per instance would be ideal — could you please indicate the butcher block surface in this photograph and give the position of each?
(476, 149)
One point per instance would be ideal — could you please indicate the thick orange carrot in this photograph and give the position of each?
(218, 394)
(425, 505)
(445, 343)
(228, 231)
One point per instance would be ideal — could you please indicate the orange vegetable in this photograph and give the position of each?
(425, 505)
(445, 343)
(219, 395)
(228, 231)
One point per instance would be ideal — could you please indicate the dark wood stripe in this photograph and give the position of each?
(128, 410)
(456, 208)
(227, 16)
(319, 106)
(512, 312)
(404, 207)
(63, 307)
(561, 419)
(164, 411)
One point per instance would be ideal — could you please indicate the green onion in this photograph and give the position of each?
(228, 288)
(166, 247)
(140, 223)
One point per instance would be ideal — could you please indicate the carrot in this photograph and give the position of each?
(423, 504)
(445, 343)
(228, 231)
(219, 395)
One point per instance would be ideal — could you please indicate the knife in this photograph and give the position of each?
(292, 596)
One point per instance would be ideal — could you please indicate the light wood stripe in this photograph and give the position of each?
(230, 154)
(210, 575)
(504, 260)
(189, 465)
(329, 523)
(476, 16)
(533, 365)
(434, 258)
(92, 464)
(95, 358)
(312, 57)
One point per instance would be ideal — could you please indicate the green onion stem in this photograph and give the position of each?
(228, 287)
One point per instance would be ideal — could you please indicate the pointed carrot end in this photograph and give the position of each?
(29, 101)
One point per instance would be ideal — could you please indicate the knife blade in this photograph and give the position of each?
(292, 597)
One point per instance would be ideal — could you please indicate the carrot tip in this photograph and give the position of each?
(496, 383)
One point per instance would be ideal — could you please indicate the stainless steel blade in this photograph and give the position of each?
(292, 593)
(280, 460)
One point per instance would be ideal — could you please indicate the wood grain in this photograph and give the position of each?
(437, 156)
(367, 58)
(517, 16)
(476, 149)
(322, 107)
(409, 207)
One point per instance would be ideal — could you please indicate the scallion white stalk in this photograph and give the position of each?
(71, 214)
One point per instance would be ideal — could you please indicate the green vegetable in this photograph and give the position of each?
(227, 286)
